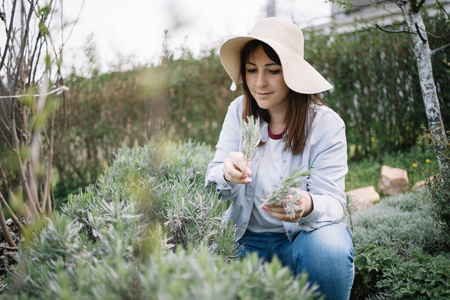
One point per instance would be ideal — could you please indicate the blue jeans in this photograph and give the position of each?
(326, 254)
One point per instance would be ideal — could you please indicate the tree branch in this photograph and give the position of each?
(13, 215)
(440, 49)
(419, 6)
(8, 36)
(5, 228)
(393, 31)
(443, 9)
(6, 138)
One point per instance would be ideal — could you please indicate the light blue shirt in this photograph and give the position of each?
(325, 154)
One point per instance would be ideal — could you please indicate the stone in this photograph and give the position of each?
(418, 185)
(364, 197)
(393, 181)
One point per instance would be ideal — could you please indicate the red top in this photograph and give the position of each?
(275, 136)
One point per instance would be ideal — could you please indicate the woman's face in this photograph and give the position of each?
(265, 82)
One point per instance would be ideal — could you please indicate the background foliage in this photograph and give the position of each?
(376, 92)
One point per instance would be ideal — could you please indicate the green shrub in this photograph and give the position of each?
(438, 182)
(388, 237)
(147, 230)
(422, 277)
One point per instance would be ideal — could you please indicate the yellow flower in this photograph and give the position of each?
(414, 165)
(372, 139)
(427, 161)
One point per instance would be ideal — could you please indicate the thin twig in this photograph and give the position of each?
(5, 138)
(392, 31)
(9, 248)
(12, 214)
(443, 9)
(61, 88)
(5, 229)
(440, 49)
(8, 36)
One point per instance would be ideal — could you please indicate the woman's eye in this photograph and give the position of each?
(274, 71)
(251, 70)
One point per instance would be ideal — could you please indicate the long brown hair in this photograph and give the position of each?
(298, 118)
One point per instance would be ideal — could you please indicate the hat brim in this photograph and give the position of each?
(298, 74)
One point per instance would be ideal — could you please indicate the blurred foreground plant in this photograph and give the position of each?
(29, 67)
(109, 242)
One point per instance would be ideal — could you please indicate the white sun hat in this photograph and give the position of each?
(286, 39)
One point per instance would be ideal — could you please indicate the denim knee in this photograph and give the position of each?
(326, 254)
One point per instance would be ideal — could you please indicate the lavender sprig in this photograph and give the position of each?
(252, 134)
(287, 189)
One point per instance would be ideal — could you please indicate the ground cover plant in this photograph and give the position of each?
(146, 230)
(401, 252)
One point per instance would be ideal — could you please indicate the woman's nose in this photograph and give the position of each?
(261, 80)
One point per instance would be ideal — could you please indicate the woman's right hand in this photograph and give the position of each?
(235, 168)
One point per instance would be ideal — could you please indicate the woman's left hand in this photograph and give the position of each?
(305, 205)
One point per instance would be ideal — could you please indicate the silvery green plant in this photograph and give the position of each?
(286, 189)
(251, 133)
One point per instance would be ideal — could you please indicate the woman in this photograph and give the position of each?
(280, 88)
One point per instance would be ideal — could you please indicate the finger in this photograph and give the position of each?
(241, 164)
(234, 175)
(284, 216)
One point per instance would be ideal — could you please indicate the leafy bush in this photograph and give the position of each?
(422, 277)
(109, 241)
(392, 236)
(438, 183)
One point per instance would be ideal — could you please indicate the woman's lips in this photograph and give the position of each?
(263, 95)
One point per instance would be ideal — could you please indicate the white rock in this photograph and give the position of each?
(365, 197)
(393, 181)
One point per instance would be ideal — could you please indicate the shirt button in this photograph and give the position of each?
(284, 160)
(281, 177)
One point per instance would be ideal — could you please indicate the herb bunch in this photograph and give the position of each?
(252, 134)
(286, 189)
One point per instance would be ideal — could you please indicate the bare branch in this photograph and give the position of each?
(5, 138)
(5, 229)
(440, 49)
(3, 177)
(12, 214)
(8, 248)
(8, 36)
(30, 199)
(393, 31)
(22, 46)
(442, 8)
(419, 6)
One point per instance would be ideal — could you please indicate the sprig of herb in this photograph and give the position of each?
(252, 134)
(286, 189)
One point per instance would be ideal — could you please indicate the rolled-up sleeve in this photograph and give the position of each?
(229, 141)
(328, 162)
